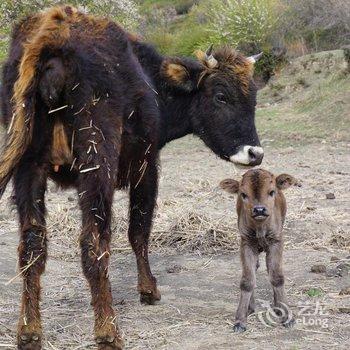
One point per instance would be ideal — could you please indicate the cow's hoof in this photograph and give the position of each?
(289, 324)
(239, 327)
(109, 343)
(29, 341)
(150, 297)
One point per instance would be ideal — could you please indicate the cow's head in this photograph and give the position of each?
(222, 101)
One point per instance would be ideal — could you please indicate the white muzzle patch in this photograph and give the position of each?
(243, 157)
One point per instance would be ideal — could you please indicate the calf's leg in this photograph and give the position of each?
(275, 271)
(96, 195)
(249, 260)
(143, 192)
(30, 186)
(251, 308)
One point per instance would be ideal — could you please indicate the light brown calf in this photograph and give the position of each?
(261, 209)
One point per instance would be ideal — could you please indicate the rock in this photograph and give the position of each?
(71, 199)
(341, 270)
(175, 269)
(334, 258)
(330, 196)
(319, 268)
(344, 310)
(345, 291)
(311, 208)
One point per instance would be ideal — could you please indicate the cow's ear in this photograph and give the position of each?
(178, 73)
(284, 181)
(230, 185)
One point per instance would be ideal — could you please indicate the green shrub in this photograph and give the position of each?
(238, 22)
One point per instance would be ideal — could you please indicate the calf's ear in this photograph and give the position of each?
(178, 73)
(230, 185)
(284, 181)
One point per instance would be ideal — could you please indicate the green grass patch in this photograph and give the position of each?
(316, 107)
(315, 292)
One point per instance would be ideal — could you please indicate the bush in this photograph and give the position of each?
(176, 35)
(315, 24)
(241, 21)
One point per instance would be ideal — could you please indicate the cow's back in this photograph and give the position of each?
(97, 48)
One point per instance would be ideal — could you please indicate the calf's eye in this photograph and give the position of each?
(244, 196)
(220, 98)
(272, 193)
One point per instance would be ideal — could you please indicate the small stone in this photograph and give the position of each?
(344, 310)
(311, 208)
(343, 269)
(334, 258)
(340, 270)
(330, 196)
(175, 269)
(319, 268)
(345, 291)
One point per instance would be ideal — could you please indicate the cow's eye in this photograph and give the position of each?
(244, 196)
(220, 98)
(272, 193)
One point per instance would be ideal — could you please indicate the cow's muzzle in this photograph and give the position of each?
(248, 156)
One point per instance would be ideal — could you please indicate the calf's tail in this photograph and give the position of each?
(51, 31)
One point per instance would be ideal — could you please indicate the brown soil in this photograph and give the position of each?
(194, 256)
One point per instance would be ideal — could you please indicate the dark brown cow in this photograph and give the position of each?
(261, 209)
(81, 100)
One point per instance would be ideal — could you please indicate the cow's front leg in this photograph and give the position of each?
(30, 187)
(275, 270)
(143, 192)
(95, 198)
(249, 260)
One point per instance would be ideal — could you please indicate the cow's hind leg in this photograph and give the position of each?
(143, 192)
(30, 186)
(96, 195)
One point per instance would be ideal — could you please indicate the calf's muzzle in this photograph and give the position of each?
(259, 212)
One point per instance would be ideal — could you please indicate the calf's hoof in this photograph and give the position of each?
(109, 343)
(29, 341)
(239, 327)
(289, 324)
(150, 297)
(251, 311)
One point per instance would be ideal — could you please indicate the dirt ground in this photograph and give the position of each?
(194, 256)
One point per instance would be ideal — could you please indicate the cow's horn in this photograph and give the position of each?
(210, 50)
(211, 60)
(253, 59)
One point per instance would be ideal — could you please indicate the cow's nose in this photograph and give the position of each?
(256, 155)
(259, 210)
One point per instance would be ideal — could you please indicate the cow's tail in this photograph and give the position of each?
(51, 30)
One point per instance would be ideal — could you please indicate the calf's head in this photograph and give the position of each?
(258, 192)
(222, 100)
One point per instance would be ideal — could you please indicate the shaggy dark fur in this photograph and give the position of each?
(81, 101)
(218, 105)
